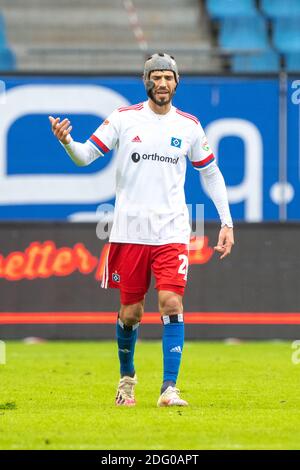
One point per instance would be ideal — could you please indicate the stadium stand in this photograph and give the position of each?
(292, 62)
(260, 36)
(286, 34)
(244, 34)
(285, 25)
(2, 32)
(97, 35)
(266, 61)
(280, 9)
(7, 57)
(117, 35)
(220, 9)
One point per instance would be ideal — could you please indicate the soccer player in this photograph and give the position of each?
(151, 230)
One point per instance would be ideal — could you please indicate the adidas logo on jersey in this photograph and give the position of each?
(136, 139)
(176, 349)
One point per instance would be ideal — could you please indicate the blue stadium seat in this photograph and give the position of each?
(7, 59)
(243, 34)
(292, 62)
(267, 61)
(219, 9)
(286, 34)
(2, 32)
(281, 8)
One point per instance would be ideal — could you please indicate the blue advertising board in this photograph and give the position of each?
(293, 149)
(240, 116)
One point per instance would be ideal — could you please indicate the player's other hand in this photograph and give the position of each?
(225, 241)
(61, 130)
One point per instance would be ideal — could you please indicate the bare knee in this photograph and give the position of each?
(170, 303)
(131, 314)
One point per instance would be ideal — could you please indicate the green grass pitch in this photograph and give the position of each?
(60, 395)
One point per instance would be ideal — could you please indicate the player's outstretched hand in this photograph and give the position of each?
(225, 241)
(61, 130)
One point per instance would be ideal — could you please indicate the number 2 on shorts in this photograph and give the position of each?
(183, 268)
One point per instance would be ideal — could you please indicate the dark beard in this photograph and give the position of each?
(150, 85)
(161, 101)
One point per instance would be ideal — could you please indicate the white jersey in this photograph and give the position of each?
(151, 157)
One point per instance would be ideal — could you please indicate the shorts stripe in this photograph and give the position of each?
(107, 273)
(105, 277)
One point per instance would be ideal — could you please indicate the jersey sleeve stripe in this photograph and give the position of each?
(99, 144)
(205, 162)
(136, 107)
(187, 115)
